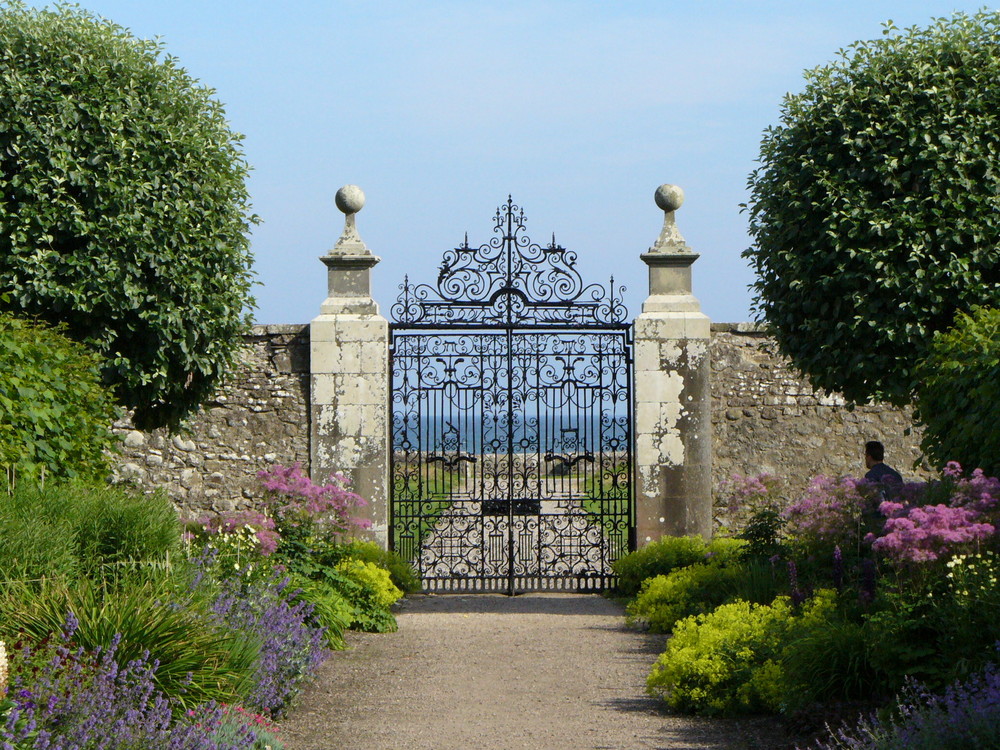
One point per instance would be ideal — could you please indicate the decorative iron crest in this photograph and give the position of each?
(509, 280)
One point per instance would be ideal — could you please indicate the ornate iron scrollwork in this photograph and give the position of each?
(509, 280)
(511, 420)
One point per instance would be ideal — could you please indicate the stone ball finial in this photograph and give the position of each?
(669, 197)
(350, 199)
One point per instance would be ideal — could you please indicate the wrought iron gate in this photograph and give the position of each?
(511, 420)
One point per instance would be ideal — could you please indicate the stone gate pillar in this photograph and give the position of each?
(349, 353)
(672, 396)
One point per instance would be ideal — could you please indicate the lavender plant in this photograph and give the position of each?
(199, 660)
(291, 648)
(64, 697)
(966, 716)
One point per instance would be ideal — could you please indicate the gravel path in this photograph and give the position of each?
(534, 671)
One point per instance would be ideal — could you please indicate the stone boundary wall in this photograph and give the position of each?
(259, 418)
(765, 418)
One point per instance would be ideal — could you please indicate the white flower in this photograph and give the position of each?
(3, 670)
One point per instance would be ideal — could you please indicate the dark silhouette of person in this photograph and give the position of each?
(878, 471)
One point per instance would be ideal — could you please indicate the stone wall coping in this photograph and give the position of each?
(758, 329)
(275, 329)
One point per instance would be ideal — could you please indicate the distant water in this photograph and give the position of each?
(469, 433)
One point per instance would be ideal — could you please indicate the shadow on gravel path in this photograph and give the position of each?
(535, 671)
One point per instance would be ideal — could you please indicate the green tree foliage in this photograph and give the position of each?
(875, 212)
(55, 415)
(123, 206)
(958, 398)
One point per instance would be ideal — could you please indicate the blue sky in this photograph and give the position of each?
(439, 109)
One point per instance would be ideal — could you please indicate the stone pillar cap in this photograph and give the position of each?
(350, 199)
(669, 198)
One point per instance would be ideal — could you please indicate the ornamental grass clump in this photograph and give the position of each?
(198, 660)
(70, 529)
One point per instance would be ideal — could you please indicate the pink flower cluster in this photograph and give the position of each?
(924, 533)
(293, 495)
(928, 532)
(829, 513)
(749, 493)
(262, 525)
(978, 491)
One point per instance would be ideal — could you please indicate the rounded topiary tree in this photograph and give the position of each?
(875, 212)
(55, 416)
(958, 398)
(124, 212)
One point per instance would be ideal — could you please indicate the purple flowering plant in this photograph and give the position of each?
(917, 531)
(291, 646)
(827, 516)
(743, 496)
(295, 514)
(919, 534)
(966, 715)
(294, 500)
(63, 697)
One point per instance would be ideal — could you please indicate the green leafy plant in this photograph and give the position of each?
(874, 211)
(692, 590)
(763, 535)
(331, 609)
(958, 396)
(125, 212)
(729, 661)
(828, 659)
(55, 416)
(366, 587)
(657, 558)
(941, 626)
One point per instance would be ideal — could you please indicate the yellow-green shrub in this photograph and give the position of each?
(693, 590)
(730, 660)
(667, 554)
(375, 578)
(401, 571)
